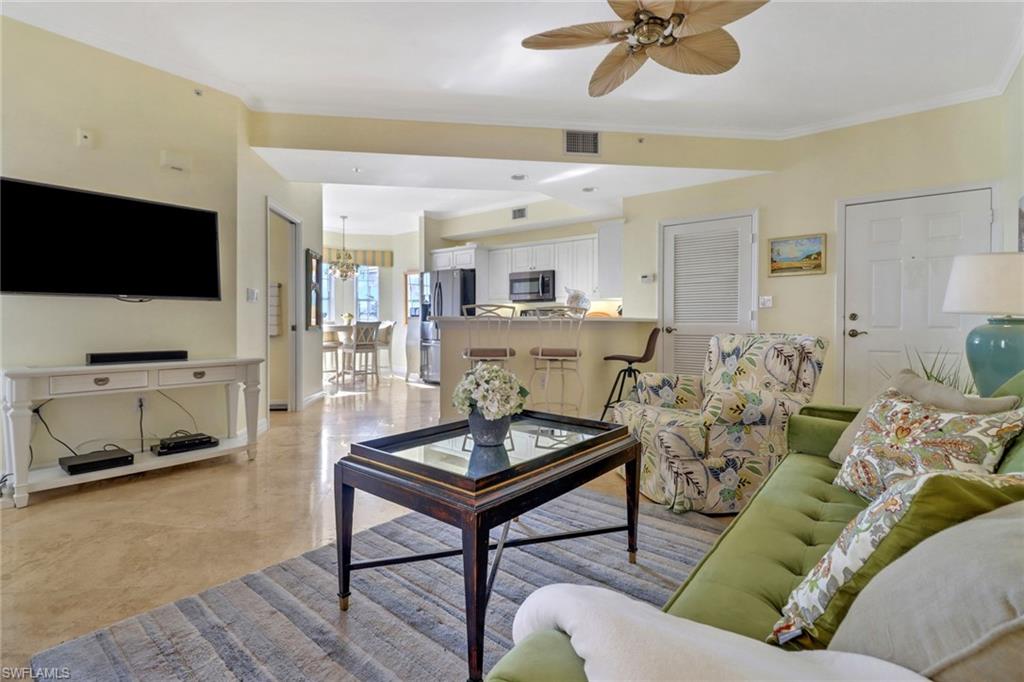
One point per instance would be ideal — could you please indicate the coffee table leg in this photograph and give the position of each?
(475, 542)
(632, 502)
(344, 498)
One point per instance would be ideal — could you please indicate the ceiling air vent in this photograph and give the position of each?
(582, 142)
(518, 213)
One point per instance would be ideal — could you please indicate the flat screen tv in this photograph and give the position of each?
(62, 241)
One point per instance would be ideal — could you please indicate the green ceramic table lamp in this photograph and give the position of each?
(990, 284)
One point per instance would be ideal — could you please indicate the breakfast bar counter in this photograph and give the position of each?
(600, 336)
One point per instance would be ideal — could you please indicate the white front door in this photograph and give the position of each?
(898, 257)
(707, 284)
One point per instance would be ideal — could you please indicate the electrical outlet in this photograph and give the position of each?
(765, 302)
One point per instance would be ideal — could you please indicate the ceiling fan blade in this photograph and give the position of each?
(707, 15)
(704, 54)
(581, 35)
(615, 69)
(627, 9)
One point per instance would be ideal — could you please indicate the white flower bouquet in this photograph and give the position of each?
(492, 390)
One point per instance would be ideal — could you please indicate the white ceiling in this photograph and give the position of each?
(390, 185)
(806, 66)
(384, 209)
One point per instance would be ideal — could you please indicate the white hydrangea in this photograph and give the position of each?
(492, 389)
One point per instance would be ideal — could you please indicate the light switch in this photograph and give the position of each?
(764, 302)
(252, 295)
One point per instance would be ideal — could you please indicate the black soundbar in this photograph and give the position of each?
(135, 356)
(96, 461)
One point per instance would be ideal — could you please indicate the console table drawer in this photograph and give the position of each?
(108, 381)
(202, 375)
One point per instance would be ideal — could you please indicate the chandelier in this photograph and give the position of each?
(345, 267)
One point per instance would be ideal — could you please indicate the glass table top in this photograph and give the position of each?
(529, 438)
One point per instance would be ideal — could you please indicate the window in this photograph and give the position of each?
(327, 293)
(412, 295)
(368, 294)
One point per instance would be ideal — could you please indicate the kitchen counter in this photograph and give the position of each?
(599, 336)
(589, 320)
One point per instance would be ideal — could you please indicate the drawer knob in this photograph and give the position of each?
(199, 374)
(101, 381)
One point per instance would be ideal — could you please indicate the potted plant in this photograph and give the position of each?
(489, 395)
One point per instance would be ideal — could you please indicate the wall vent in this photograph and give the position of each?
(582, 142)
(518, 213)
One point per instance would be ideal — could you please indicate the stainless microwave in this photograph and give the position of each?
(536, 285)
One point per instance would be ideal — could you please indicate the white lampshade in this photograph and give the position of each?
(988, 284)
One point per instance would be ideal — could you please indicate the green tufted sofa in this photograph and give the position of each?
(743, 582)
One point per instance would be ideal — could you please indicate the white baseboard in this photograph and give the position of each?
(312, 398)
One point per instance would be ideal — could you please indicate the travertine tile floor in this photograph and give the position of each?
(81, 558)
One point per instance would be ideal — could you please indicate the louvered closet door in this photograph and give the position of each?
(707, 288)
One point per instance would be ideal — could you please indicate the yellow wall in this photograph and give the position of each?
(524, 236)
(487, 224)
(51, 87)
(406, 250)
(945, 147)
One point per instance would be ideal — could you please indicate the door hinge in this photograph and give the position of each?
(991, 216)
(753, 315)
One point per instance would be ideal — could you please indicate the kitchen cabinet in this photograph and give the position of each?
(609, 259)
(458, 258)
(533, 257)
(499, 267)
(584, 263)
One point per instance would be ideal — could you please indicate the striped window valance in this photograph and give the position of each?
(381, 259)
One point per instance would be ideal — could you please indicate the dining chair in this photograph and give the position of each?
(359, 353)
(384, 336)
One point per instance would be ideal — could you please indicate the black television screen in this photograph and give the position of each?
(61, 241)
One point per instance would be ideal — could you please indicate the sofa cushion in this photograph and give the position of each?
(903, 437)
(929, 393)
(745, 580)
(967, 615)
(908, 513)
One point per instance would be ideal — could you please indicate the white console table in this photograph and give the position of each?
(24, 386)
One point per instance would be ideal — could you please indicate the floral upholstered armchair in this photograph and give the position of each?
(709, 441)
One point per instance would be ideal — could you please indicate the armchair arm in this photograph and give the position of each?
(817, 428)
(678, 391)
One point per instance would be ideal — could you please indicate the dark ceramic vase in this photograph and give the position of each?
(488, 431)
(485, 460)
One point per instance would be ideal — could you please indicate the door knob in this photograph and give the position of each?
(669, 330)
(853, 333)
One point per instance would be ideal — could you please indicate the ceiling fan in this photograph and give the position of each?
(682, 35)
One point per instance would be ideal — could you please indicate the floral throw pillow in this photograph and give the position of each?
(912, 510)
(903, 437)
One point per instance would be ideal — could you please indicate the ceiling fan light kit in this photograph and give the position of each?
(682, 35)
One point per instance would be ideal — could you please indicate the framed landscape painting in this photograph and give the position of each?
(803, 255)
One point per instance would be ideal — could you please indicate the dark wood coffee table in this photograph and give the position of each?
(437, 472)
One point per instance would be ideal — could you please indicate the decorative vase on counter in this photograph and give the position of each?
(488, 432)
(346, 318)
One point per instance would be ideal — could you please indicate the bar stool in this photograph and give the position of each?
(558, 352)
(488, 326)
(629, 371)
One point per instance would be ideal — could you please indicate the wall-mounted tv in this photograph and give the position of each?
(63, 241)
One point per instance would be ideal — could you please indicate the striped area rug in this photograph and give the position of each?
(404, 623)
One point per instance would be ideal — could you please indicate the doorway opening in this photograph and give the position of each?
(284, 307)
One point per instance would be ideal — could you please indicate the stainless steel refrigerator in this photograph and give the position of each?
(449, 291)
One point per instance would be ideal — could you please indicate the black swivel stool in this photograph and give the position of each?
(629, 371)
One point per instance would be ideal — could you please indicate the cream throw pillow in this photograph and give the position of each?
(952, 608)
(929, 393)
